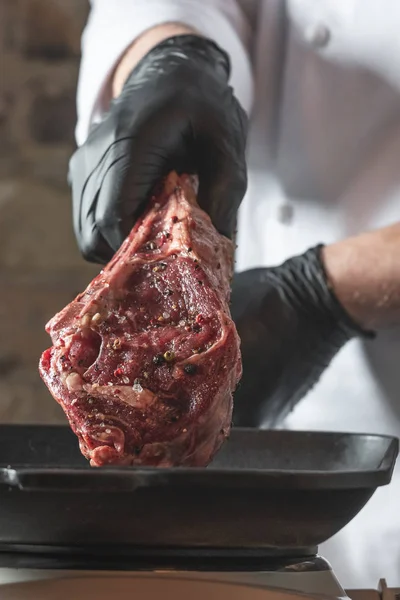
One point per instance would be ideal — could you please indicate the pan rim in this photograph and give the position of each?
(133, 477)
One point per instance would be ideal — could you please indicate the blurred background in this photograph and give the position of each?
(40, 267)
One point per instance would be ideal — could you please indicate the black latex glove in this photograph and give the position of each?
(291, 326)
(176, 112)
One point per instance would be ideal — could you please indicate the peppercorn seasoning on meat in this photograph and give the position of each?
(144, 362)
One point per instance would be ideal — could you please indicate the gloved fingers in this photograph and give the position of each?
(156, 149)
(87, 169)
(222, 168)
(221, 190)
(108, 213)
(92, 245)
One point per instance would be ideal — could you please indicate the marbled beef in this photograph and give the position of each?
(144, 362)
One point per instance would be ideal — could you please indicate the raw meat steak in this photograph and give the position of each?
(145, 361)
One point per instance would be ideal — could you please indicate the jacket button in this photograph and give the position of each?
(285, 214)
(318, 35)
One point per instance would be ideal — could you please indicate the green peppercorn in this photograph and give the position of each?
(169, 355)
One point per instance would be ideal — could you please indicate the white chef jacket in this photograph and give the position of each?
(320, 80)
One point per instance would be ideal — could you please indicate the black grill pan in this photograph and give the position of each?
(281, 492)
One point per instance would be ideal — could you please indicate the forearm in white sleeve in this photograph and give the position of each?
(114, 24)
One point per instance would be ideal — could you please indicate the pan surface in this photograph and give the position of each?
(278, 491)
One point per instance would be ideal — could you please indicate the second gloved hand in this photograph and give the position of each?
(291, 326)
(176, 111)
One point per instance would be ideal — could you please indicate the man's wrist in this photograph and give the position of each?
(343, 277)
(140, 47)
(364, 272)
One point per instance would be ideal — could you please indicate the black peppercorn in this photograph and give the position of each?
(158, 359)
(190, 369)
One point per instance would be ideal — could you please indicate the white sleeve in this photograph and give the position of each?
(114, 24)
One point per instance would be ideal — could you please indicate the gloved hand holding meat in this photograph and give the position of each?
(145, 361)
(176, 112)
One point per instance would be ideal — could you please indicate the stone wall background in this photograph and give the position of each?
(40, 266)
